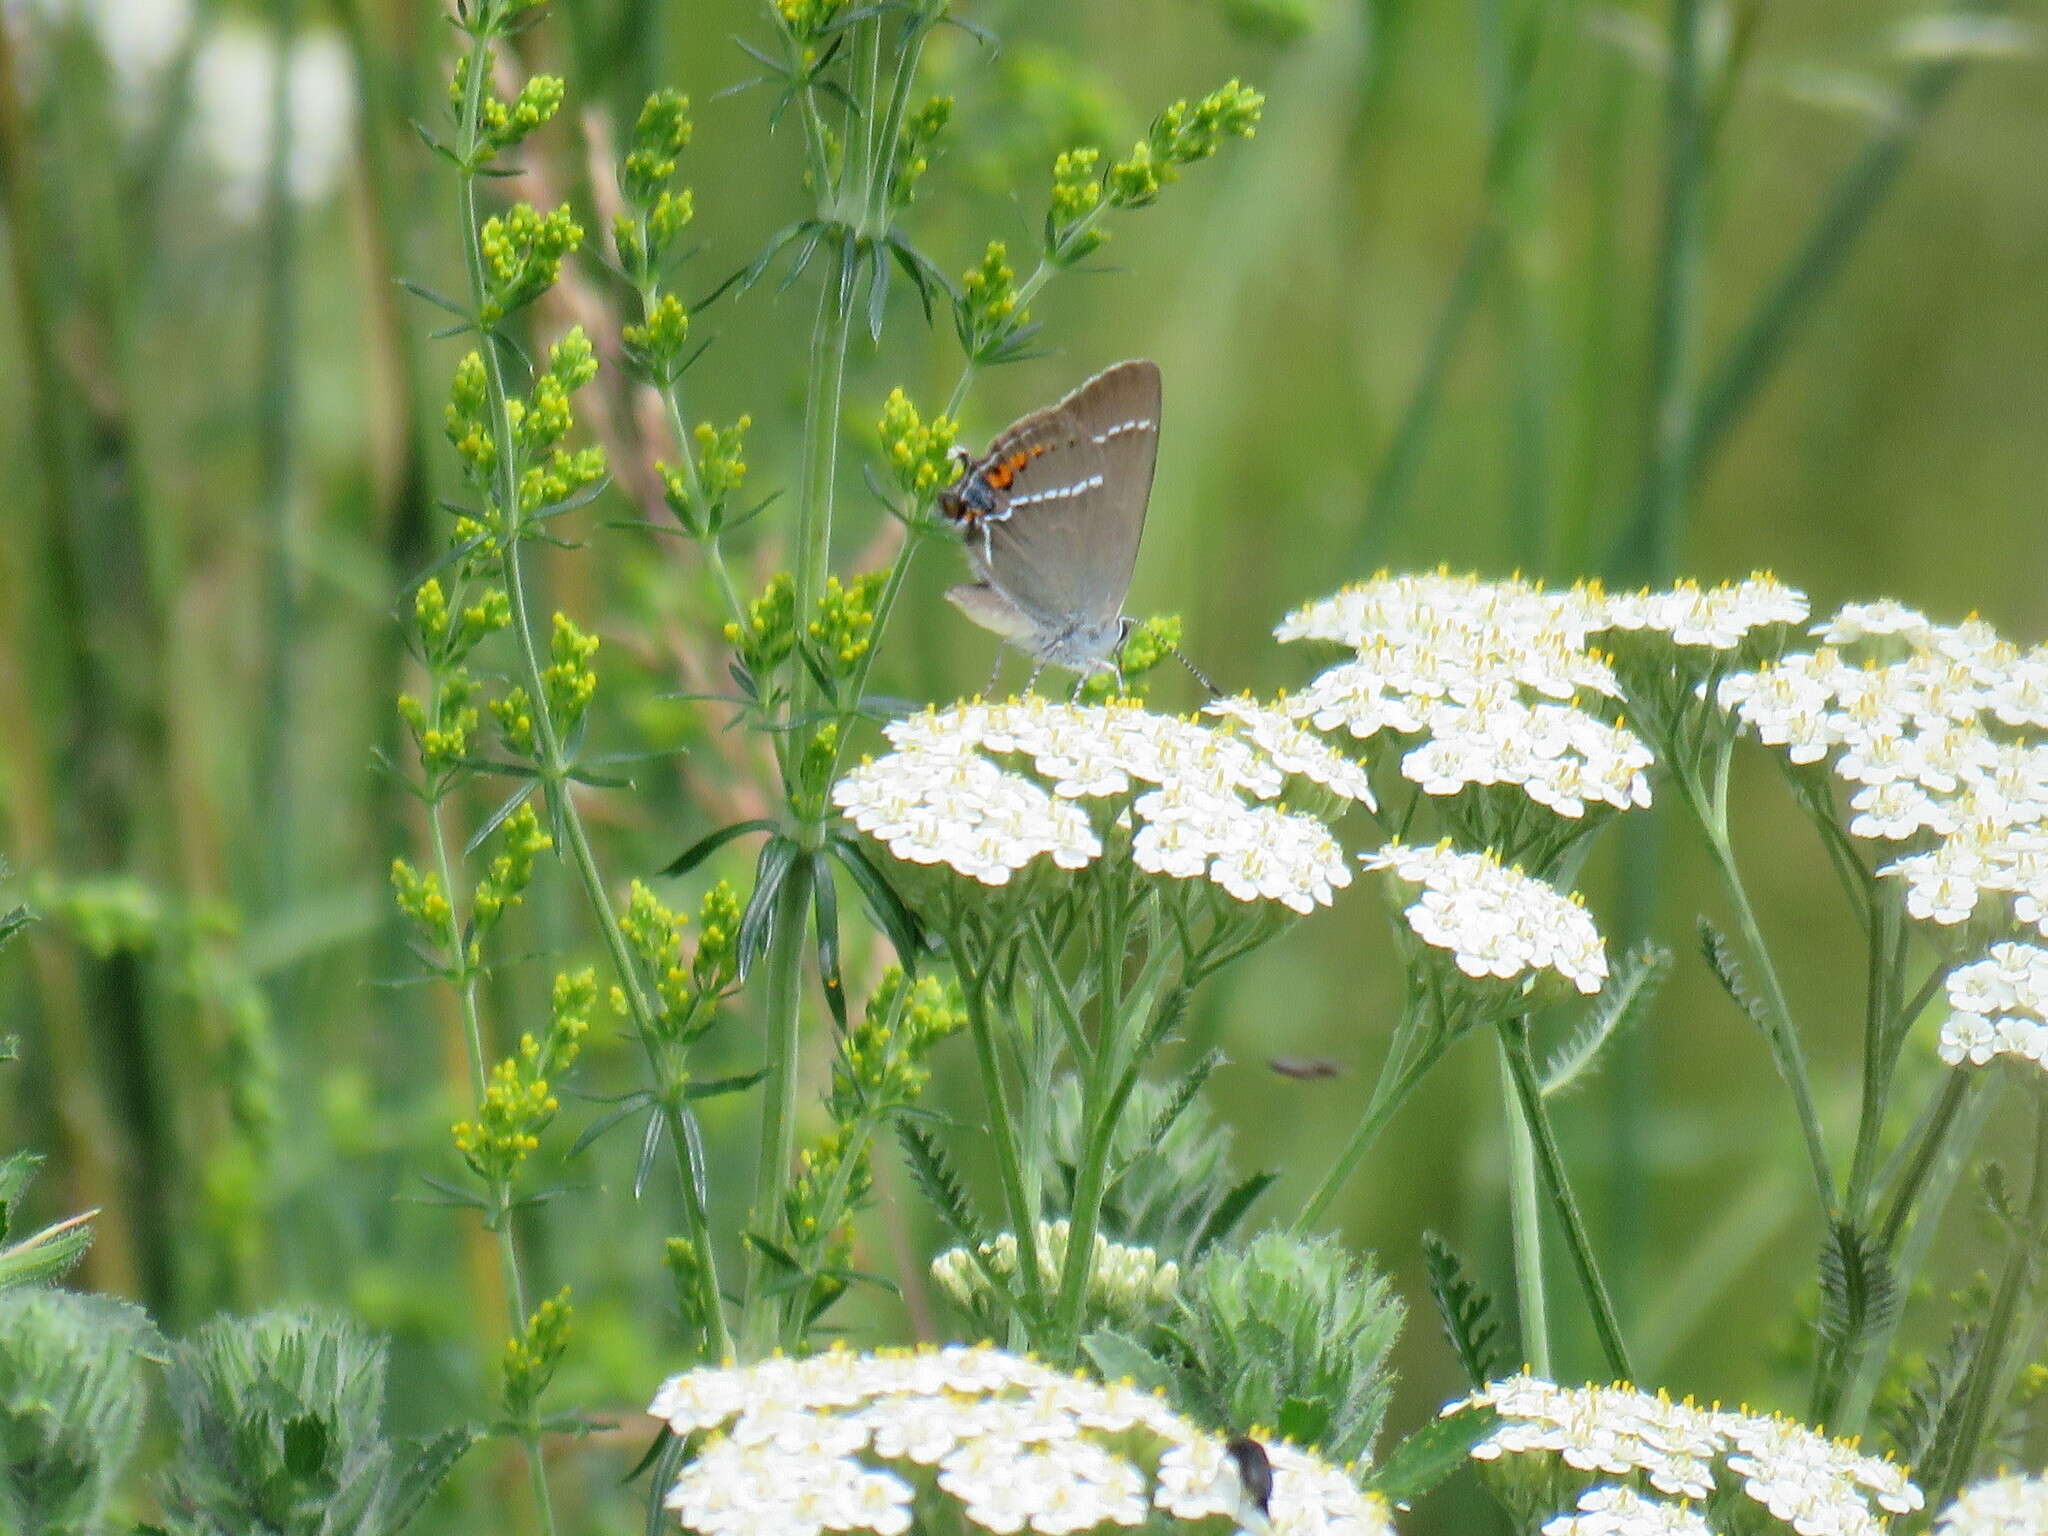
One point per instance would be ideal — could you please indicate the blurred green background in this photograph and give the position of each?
(1412, 322)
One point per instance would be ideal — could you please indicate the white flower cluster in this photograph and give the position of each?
(1817, 1486)
(1616, 1511)
(1999, 1007)
(1500, 680)
(1125, 1281)
(849, 1442)
(1198, 1480)
(1193, 791)
(1495, 920)
(1939, 730)
(2003, 1506)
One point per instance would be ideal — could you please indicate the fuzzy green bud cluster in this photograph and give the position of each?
(686, 1269)
(441, 726)
(655, 212)
(424, 904)
(544, 419)
(686, 988)
(721, 462)
(916, 144)
(769, 633)
(845, 622)
(519, 1099)
(1070, 232)
(808, 20)
(569, 679)
(520, 840)
(530, 1360)
(502, 124)
(1291, 1333)
(467, 419)
(513, 710)
(987, 314)
(655, 346)
(523, 251)
(1149, 643)
(920, 453)
(1127, 1286)
(446, 639)
(1181, 135)
(834, 1177)
(882, 1059)
(660, 135)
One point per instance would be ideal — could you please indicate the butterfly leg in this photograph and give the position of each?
(995, 673)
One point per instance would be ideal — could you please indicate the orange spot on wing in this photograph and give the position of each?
(1000, 475)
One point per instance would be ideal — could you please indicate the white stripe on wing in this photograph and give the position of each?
(1056, 492)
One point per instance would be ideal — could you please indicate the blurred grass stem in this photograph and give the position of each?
(1514, 1034)
(1420, 1038)
(1525, 1212)
(277, 404)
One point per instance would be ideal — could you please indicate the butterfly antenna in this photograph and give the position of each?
(1199, 675)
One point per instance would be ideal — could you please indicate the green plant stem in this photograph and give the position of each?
(1710, 809)
(499, 1215)
(1956, 1092)
(1101, 1105)
(1009, 1167)
(782, 1002)
(547, 739)
(1522, 1069)
(1525, 1215)
(1398, 1077)
(1929, 1167)
(823, 400)
(1987, 1364)
(1881, 1043)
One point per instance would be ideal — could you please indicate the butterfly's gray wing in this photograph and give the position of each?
(1064, 550)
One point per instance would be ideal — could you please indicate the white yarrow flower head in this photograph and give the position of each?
(1818, 1486)
(1495, 921)
(1611, 1510)
(2012, 1505)
(1495, 678)
(1939, 735)
(1126, 1283)
(989, 790)
(854, 1442)
(1998, 1007)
